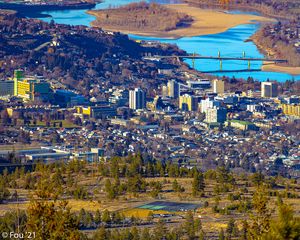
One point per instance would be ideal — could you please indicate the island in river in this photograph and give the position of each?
(192, 21)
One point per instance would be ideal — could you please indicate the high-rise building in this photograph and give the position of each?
(6, 88)
(218, 86)
(30, 88)
(173, 89)
(137, 99)
(215, 115)
(18, 76)
(269, 89)
(164, 91)
(188, 102)
(209, 103)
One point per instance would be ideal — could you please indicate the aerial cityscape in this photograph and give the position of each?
(139, 120)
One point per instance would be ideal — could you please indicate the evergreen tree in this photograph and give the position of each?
(198, 183)
(189, 225)
(285, 227)
(221, 234)
(52, 221)
(260, 220)
(101, 234)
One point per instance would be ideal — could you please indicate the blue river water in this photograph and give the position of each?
(230, 43)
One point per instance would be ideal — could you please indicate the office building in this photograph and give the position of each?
(269, 89)
(209, 103)
(65, 98)
(199, 85)
(164, 91)
(218, 86)
(6, 88)
(188, 102)
(215, 115)
(291, 109)
(30, 88)
(97, 112)
(18, 76)
(173, 89)
(137, 99)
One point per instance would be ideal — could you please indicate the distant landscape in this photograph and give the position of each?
(141, 16)
(109, 136)
(282, 38)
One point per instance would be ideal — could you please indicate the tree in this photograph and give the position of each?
(189, 225)
(260, 220)
(110, 190)
(160, 230)
(52, 221)
(231, 229)
(198, 183)
(101, 234)
(244, 230)
(105, 216)
(97, 217)
(285, 227)
(221, 234)
(13, 221)
(176, 187)
(4, 192)
(145, 235)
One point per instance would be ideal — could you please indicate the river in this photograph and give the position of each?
(230, 43)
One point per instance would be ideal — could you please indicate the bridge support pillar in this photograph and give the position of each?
(221, 65)
(249, 65)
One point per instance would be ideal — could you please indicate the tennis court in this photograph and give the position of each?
(170, 206)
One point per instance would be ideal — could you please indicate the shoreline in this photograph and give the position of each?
(199, 27)
(35, 10)
(272, 67)
(207, 22)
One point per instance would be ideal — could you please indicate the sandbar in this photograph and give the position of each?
(206, 21)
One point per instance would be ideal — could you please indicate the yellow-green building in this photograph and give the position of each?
(29, 88)
(96, 111)
(188, 102)
(291, 109)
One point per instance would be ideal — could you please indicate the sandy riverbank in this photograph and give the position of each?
(271, 67)
(205, 22)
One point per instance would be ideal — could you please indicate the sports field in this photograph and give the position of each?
(170, 206)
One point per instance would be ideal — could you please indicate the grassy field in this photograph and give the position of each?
(128, 203)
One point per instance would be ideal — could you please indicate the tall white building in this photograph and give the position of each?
(137, 99)
(218, 86)
(215, 115)
(209, 103)
(173, 89)
(269, 89)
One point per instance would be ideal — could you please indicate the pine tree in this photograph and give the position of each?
(52, 221)
(260, 220)
(198, 183)
(285, 227)
(189, 225)
(221, 234)
(101, 234)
